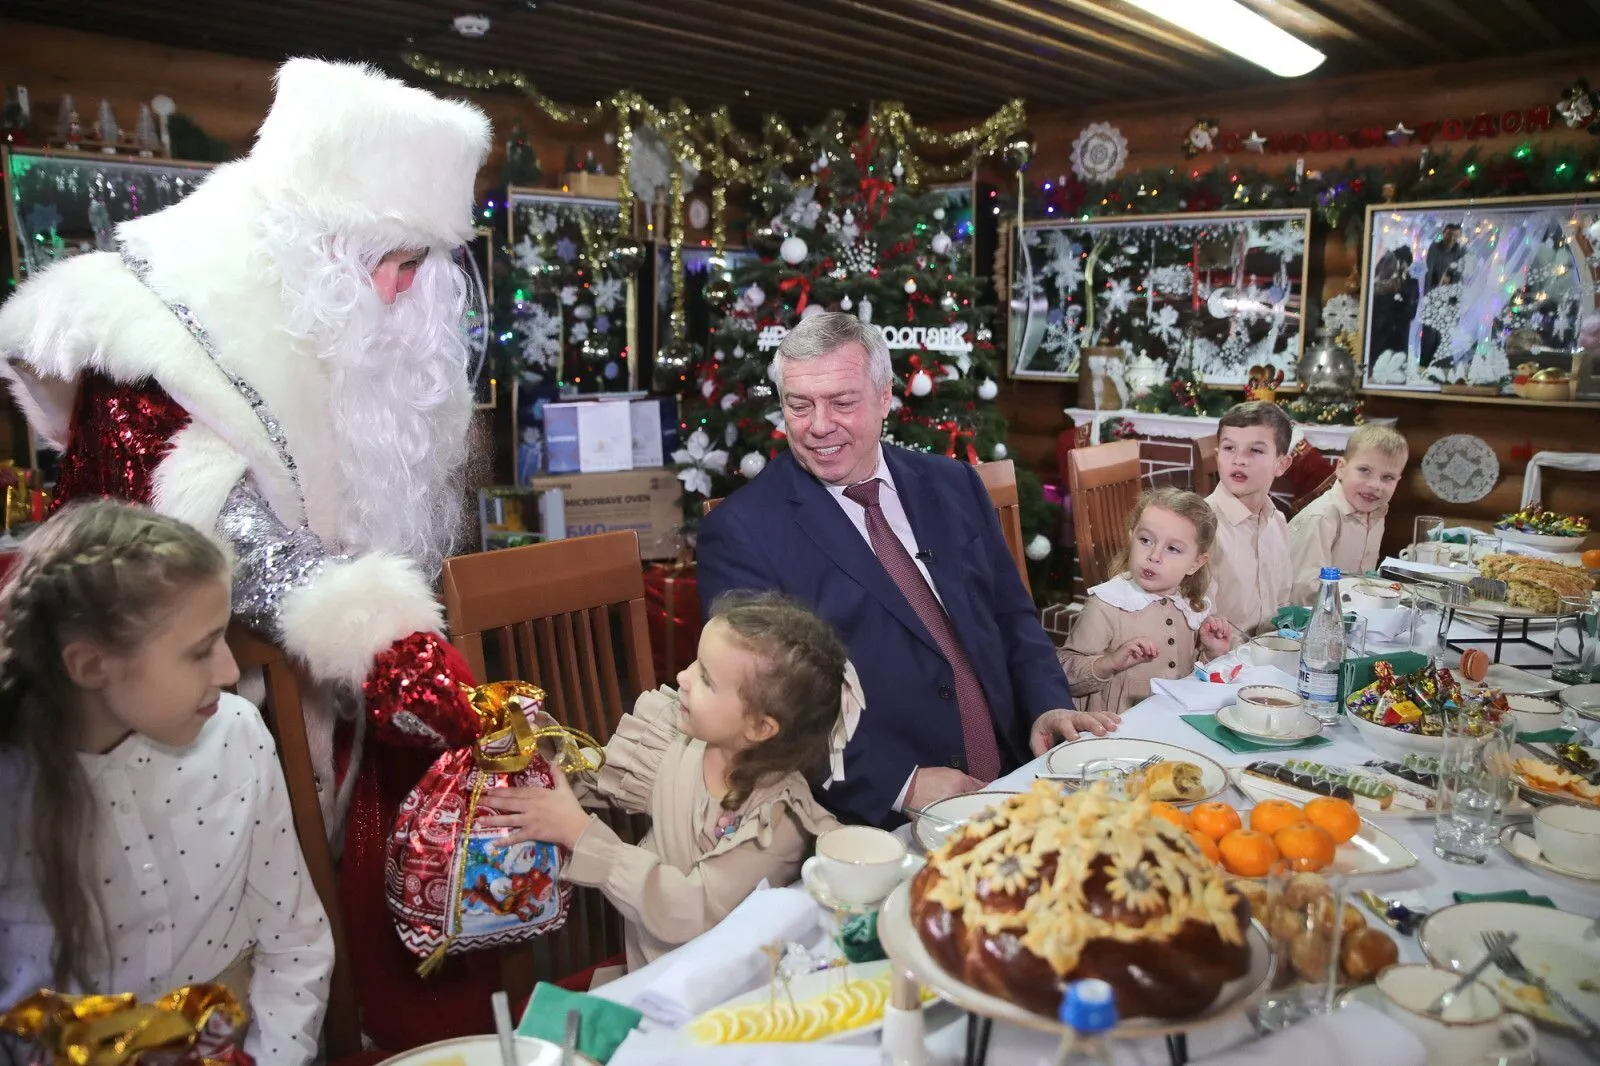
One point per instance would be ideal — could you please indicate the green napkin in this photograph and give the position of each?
(603, 1027)
(1548, 736)
(1210, 727)
(1295, 618)
(1515, 895)
(858, 939)
(1357, 674)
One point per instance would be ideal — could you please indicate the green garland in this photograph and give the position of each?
(1337, 194)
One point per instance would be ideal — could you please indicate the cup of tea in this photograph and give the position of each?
(1268, 708)
(858, 864)
(1270, 650)
(1472, 1027)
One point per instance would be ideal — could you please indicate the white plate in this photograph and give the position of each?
(1070, 758)
(1583, 699)
(1257, 789)
(1542, 541)
(903, 945)
(1525, 849)
(1533, 713)
(1370, 851)
(1509, 679)
(930, 834)
(1309, 727)
(1550, 942)
(481, 1051)
(806, 988)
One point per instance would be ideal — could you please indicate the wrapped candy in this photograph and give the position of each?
(197, 1025)
(1418, 702)
(451, 887)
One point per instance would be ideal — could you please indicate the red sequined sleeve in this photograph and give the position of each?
(118, 435)
(415, 694)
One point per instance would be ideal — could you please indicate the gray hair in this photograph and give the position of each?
(821, 334)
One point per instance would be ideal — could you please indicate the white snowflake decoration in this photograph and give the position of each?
(1118, 296)
(699, 461)
(607, 291)
(1341, 313)
(569, 294)
(1287, 241)
(1065, 263)
(1099, 152)
(549, 223)
(541, 336)
(843, 229)
(860, 257)
(527, 256)
(579, 332)
(803, 210)
(1441, 308)
(1164, 324)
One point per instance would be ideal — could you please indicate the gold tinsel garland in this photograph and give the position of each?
(711, 142)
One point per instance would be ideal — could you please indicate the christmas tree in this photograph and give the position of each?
(522, 163)
(851, 236)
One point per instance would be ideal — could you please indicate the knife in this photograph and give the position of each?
(1554, 759)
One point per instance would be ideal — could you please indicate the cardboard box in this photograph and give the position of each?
(588, 437)
(655, 430)
(645, 501)
(582, 183)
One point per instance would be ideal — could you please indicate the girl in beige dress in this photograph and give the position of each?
(1150, 619)
(720, 765)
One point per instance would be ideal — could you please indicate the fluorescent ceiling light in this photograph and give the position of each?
(1229, 24)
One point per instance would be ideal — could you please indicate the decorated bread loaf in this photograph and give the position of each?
(1051, 887)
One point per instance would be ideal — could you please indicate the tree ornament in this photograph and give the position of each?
(864, 312)
(793, 250)
(921, 383)
(752, 463)
(1580, 107)
(947, 302)
(729, 401)
(987, 389)
(911, 285)
(1255, 143)
(897, 170)
(1099, 153)
(1202, 137)
(845, 303)
(941, 243)
(1019, 150)
(938, 214)
(708, 388)
(1400, 136)
(1038, 549)
(1000, 451)
(895, 403)
(146, 137)
(754, 296)
(718, 290)
(811, 310)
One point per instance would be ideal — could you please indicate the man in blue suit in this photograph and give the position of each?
(902, 553)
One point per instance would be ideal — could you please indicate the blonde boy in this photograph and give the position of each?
(1251, 558)
(1344, 526)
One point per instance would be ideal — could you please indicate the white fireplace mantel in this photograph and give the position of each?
(1324, 438)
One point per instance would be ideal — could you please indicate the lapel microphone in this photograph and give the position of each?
(925, 556)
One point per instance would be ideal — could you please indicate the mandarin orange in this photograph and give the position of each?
(1215, 820)
(1271, 815)
(1339, 817)
(1247, 853)
(1170, 813)
(1305, 847)
(1207, 846)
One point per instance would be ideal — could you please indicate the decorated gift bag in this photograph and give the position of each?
(451, 887)
(197, 1025)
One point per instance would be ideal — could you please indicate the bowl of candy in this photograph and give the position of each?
(1397, 716)
(1546, 530)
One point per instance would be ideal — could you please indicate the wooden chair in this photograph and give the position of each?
(1000, 478)
(1104, 483)
(1205, 465)
(286, 718)
(554, 614)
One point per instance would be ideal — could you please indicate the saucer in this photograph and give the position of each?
(1306, 727)
(816, 885)
(1525, 849)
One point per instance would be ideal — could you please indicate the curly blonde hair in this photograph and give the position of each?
(104, 572)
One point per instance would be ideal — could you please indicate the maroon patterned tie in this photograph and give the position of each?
(977, 728)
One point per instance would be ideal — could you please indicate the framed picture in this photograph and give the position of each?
(1222, 292)
(1460, 293)
(475, 261)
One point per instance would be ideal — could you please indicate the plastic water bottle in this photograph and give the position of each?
(1322, 652)
(1089, 1009)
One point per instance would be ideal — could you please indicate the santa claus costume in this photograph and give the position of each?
(278, 358)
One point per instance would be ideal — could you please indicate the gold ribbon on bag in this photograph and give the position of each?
(117, 1030)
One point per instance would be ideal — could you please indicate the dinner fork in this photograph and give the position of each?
(1506, 960)
(1077, 778)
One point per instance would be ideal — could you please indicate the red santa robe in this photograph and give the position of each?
(164, 376)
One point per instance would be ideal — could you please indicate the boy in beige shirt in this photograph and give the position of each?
(1344, 526)
(1251, 557)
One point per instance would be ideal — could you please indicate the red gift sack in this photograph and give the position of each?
(451, 888)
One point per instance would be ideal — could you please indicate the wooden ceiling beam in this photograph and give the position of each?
(1525, 11)
(1373, 16)
(1144, 25)
(1120, 43)
(1452, 14)
(1116, 68)
(1367, 49)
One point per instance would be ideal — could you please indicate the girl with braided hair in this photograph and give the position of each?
(146, 843)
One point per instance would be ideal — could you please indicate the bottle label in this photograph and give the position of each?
(1319, 686)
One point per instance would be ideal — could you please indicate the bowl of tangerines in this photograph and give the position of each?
(1279, 853)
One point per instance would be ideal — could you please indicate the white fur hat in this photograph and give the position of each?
(369, 156)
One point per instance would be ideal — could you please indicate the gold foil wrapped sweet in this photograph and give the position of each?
(197, 1025)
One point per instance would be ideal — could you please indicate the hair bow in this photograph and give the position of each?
(852, 701)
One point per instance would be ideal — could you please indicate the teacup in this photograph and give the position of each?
(1268, 709)
(1473, 1027)
(1281, 652)
(1432, 554)
(1373, 596)
(859, 865)
(1569, 837)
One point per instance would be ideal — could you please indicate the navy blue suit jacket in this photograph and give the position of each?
(784, 531)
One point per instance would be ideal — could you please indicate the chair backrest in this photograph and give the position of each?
(1104, 483)
(710, 505)
(1000, 478)
(285, 716)
(1205, 465)
(568, 616)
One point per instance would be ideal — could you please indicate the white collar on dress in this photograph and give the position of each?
(1123, 593)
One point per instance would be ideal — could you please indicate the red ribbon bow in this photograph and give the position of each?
(932, 370)
(959, 435)
(803, 284)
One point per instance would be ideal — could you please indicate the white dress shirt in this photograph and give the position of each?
(895, 514)
(196, 864)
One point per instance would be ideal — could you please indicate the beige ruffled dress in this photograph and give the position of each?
(698, 861)
(1113, 614)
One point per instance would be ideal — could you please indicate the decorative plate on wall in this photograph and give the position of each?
(1460, 468)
